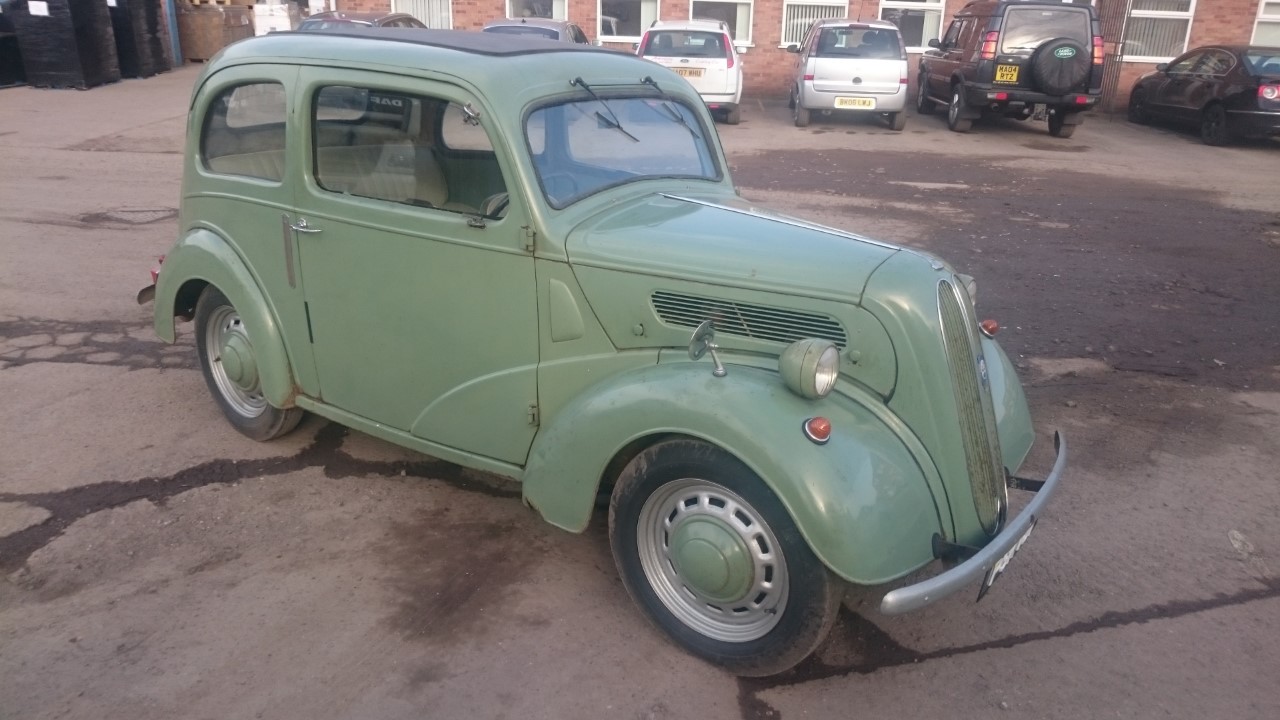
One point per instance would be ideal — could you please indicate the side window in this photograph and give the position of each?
(953, 34)
(403, 148)
(1186, 64)
(244, 132)
(1216, 62)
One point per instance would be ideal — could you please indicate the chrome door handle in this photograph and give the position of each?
(302, 226)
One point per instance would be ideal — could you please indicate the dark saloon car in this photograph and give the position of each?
(1229, 91)
(347, 20)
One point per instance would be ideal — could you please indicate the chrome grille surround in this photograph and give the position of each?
(976, 413)
(759, 322)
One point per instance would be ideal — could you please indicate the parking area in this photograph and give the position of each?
(157, 564)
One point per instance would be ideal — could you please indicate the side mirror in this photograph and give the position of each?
(793, 48)
(635, 46)
(1162, 67)
(933, 43)
(740, 49)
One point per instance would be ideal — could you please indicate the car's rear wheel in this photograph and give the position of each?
(1058, 126)
(956, 111)
(1139, 112)
(230, 369)
(897, 120)
(1213, 126)
(714, 560)
(733, 116)
(800, 114)
(924, 104)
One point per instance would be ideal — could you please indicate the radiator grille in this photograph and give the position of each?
(760, 322)
(973, 402)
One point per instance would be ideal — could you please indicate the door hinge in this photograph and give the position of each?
(530, 238)
(533, 414)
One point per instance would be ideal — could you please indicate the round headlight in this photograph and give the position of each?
(810, 367)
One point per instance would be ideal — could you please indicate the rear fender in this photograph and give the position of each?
(861, 501)
(204, 257)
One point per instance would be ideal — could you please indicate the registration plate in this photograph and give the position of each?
(856, 103)
(689, 72)
(1006, 73)
(998, 567)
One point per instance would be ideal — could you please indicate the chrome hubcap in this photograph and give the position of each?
(232, 362)
(712, 560)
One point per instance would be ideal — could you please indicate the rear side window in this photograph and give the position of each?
(1026, 29)
(244, 132)
(855, 42)
(685, 44)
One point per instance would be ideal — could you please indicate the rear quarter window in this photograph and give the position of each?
(1026, 29)
(244, 132)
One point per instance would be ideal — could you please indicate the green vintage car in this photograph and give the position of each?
(529, 258)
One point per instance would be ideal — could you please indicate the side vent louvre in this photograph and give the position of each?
(759, 322)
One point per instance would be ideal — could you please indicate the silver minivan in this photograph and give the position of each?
(847, 65)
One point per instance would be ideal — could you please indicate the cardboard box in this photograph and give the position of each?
(203, 30)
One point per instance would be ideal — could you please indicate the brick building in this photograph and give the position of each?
(1152, 31)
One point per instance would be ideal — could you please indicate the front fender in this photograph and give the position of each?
(861, 501)
(203, 256)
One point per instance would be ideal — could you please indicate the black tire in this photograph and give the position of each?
(1214, 129)
(955, 111)
(235, 386)
(924, 104)
(800, 114)
(776, 618)
(1060, 66)
(897, 120)
(1058, 126)
(791, 99)
(1139, 112)
(733, 116)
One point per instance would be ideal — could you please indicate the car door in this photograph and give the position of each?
(422, 311)
(944, 60)
(1207, 81)
(1169, 92)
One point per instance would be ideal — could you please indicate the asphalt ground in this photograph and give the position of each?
(157, 564)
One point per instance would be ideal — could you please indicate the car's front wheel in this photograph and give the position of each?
(230, 368)
(924, 104)
(714, 560)
(956, 120)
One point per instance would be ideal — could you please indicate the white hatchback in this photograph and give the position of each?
(850, 65)
(702, 52)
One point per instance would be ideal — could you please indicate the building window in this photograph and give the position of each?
(798, 16)
(736, 14)
(1157, 30)
(626, 19)
(1267, 30)
(537, 8)
(919, 21)
(434, 13)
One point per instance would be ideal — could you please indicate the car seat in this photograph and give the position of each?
(662, 42)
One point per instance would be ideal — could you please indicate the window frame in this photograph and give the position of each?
(563, 6)
(751, 20)
(938, 6)
(1264, 17)
(782, 36)
(1188, 15)
(601, 36)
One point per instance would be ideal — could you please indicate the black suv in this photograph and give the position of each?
(1015, 58)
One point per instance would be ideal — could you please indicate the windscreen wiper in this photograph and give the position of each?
(611, 121)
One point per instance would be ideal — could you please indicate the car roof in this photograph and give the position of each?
(549, 23)
(846, 22)
(479, 60)
(984, 7)
(697, 24)
(343, 15)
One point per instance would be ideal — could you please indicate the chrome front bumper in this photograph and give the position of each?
(914, 597)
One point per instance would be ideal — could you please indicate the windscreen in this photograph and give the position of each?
(582, 147)
(857, 42)
(685, 44)
(1025, 29)
(524, 30)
